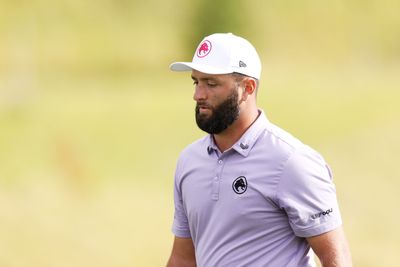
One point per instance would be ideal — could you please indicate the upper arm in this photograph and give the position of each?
(331, 248)
(180, 226)
(182, 254)
(307, 194)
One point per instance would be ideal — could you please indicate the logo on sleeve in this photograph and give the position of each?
(239, 185)
(322, 213)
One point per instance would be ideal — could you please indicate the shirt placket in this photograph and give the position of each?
(218, 176)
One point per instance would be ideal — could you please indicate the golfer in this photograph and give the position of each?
(248, 193)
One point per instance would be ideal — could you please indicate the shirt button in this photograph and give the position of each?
(220, 161)
(216, 178)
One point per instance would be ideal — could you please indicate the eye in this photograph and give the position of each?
(195, 82)
(211, 84)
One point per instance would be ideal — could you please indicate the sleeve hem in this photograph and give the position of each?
(320, 229)
(181, 233)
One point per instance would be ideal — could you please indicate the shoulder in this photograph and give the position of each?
(302, 161)
(277, 144)
(193, 151)
(281, 137)
(297, 162)
(196, 148)
(282, 141)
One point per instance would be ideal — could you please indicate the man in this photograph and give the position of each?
(249, 193)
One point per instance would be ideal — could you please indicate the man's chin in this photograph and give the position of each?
(204, 114)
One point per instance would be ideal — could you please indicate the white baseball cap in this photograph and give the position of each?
(223, 53)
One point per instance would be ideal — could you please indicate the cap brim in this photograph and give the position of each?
(188, 66)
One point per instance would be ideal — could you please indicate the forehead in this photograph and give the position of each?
(205, 76)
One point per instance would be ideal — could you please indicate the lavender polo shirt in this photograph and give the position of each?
(253, 204)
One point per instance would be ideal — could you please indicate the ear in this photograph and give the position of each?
(249, 87)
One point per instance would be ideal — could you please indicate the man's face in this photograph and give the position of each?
(217, 101)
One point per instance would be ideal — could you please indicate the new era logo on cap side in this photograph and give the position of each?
(204, 48)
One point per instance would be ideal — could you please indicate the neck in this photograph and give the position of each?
(227, 138)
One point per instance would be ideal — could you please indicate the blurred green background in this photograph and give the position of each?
(92, 121)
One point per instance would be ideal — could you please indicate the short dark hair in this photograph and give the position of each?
(239, 77)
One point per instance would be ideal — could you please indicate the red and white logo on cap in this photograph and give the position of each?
(204, 48)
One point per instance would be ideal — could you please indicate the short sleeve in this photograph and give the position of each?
(307, 193)
(180, 226)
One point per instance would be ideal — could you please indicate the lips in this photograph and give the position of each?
(203, 106)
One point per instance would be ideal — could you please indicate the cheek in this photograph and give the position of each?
(213, 100)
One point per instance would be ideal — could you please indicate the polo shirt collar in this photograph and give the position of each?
(246, 142)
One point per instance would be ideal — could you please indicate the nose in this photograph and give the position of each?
(199, 93)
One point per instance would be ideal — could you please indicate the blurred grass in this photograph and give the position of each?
(92, 121)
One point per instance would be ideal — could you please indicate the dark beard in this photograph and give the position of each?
(222, 116)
